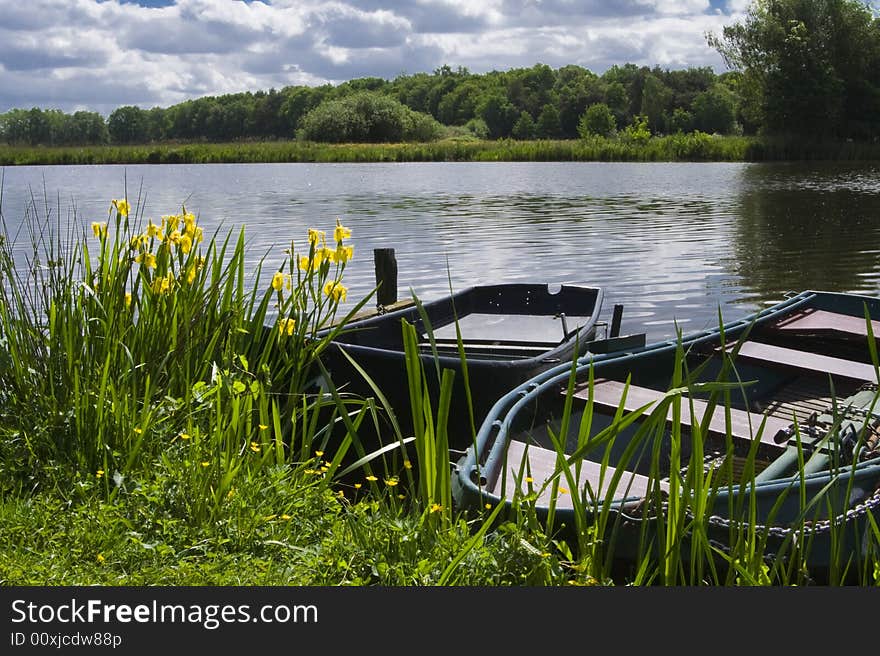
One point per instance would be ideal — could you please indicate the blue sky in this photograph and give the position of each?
(101, 54)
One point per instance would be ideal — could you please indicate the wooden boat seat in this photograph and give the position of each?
(542, 465)
(805, 361)
(822, 322)
(744, 425)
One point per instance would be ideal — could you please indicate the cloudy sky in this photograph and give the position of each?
(101, 54)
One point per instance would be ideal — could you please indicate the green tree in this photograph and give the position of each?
(524, 128)
(597, 120)
(498, 114)
(618, 101)
(548, 125)
(577, 88)
(714, 110)
(299, 101)
(13, 126)
(459, 105)
(656, 101)
(86, 128)
(128, 124)
(810, 67)
(681, 121)
(39, 129)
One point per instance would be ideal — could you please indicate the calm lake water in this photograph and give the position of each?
(672, 242)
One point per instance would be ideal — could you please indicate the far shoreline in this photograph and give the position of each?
(691, 147)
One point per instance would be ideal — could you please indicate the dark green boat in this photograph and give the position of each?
(509, 333)
(775, 416)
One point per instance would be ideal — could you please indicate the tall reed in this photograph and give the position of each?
(134, 342)
(692, 147)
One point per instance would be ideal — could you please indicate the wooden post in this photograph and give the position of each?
(615, 320)
(386, 276)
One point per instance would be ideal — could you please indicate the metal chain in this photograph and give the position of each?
(810, 528)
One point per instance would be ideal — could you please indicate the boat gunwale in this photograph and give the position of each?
(567, 346)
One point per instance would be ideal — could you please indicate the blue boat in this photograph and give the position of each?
(775, 416)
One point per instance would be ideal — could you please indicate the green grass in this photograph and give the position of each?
(679, 147)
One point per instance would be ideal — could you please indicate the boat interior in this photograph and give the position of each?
(509, 321)
(811, 368)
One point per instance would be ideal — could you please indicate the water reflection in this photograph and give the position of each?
(675, 243)
(807, 227)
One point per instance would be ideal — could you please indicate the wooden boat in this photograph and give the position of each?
(509, 332)
(781, 407)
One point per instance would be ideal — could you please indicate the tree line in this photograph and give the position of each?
(801, 67)
(523, 103)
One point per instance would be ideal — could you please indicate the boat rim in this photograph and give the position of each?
(471, 475)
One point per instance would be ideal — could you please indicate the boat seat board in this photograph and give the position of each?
(804, 360)
(485, 328)
(607, 394)
(542, 466)
(825, 322)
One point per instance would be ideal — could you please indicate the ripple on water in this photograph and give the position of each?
(672, 242)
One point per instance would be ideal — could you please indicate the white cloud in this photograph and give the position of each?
(86, 53)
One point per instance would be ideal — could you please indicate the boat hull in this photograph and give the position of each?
(780, 407)
(497, 357)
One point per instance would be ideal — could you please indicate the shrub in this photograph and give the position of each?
(367, 117)
(597, 120)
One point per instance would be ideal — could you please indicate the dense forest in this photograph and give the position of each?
(798, 67)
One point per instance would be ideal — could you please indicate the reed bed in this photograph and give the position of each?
(695, 147)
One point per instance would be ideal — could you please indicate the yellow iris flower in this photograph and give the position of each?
(341, 232)
(122, 207)
(286, 326)
(148, 260)
(335, 290)
(341, 255)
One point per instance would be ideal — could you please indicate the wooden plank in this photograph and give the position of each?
(806, 361)
(607, 394)
(542, 466)
(369, 314)
(824, 322)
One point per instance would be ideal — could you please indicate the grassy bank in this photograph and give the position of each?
(160, 424)
(681, 147)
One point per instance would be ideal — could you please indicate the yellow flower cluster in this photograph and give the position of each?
(99, 229)
(181, 230)
(175, 230)
(319, 252)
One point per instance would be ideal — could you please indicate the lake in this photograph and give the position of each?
(672, 242)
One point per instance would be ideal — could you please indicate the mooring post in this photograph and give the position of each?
(615, 320)
(386, 276)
